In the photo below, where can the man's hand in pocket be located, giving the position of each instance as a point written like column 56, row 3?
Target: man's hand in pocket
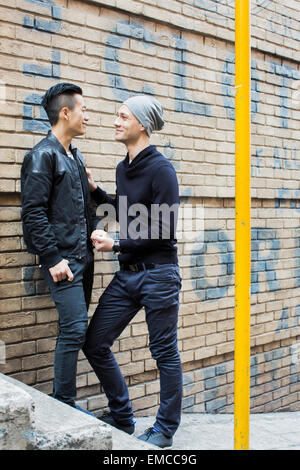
column 60, row 271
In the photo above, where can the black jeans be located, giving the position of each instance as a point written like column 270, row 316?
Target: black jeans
column 157, row 290
column 72, row 301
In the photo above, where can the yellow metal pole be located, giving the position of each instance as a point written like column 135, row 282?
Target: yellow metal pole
column 242, row 225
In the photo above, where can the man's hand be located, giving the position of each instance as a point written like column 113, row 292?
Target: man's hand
column 60, row 271
column 99, row 233
column 92, row 183
column 102, row 241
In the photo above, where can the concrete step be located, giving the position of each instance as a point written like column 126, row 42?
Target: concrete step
column 30, row 419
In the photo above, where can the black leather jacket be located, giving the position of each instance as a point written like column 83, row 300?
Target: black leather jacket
column 56, row 205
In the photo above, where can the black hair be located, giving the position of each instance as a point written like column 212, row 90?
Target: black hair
column 57, row 97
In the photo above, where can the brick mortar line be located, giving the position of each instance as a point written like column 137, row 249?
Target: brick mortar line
column 189, row 365
column 229, row 356
column 194, row 198
column 146, row 17
column 143, row 16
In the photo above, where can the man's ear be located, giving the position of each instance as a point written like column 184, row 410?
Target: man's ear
column 64, row 113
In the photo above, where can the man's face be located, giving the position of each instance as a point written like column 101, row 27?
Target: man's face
column 78, row 117
column 127, row 128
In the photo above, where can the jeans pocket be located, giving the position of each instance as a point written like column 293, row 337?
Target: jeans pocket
column 163, row 273
column 161, row 293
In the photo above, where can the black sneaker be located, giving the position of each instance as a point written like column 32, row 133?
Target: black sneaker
column 156, row 437
column 108, row 419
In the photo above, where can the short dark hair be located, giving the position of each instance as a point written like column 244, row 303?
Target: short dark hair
column 57, row 97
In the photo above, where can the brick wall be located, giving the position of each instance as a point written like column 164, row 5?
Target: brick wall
column 183, row 53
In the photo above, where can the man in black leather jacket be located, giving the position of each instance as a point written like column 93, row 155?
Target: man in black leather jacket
column 58, row 220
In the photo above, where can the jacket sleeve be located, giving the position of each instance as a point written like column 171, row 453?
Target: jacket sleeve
column 163, row 219
column 36, row 187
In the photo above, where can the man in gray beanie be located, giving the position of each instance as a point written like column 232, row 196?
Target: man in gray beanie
column 148, row 111
column 149, row 274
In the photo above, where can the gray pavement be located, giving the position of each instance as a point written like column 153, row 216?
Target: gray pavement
column 268, row 431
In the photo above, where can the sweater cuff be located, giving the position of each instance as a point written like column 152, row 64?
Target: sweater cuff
column 97, row 195
column 125, row 245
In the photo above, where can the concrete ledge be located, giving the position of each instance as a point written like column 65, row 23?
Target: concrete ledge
column 16, row 417
column 30, row 419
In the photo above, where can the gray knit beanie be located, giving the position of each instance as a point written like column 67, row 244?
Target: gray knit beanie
column 148, row 112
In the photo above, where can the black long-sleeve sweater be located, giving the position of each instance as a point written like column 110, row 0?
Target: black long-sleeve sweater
column 150, row 180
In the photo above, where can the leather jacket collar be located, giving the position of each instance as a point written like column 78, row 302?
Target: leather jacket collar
column 54, row 140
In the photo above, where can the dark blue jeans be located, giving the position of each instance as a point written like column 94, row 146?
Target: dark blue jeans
column 157, row 290
column 71, row 300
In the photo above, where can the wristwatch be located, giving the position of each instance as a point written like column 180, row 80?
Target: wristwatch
column 116, row 246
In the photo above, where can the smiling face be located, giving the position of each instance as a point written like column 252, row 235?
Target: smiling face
column 127, row 128
column 76, row 118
